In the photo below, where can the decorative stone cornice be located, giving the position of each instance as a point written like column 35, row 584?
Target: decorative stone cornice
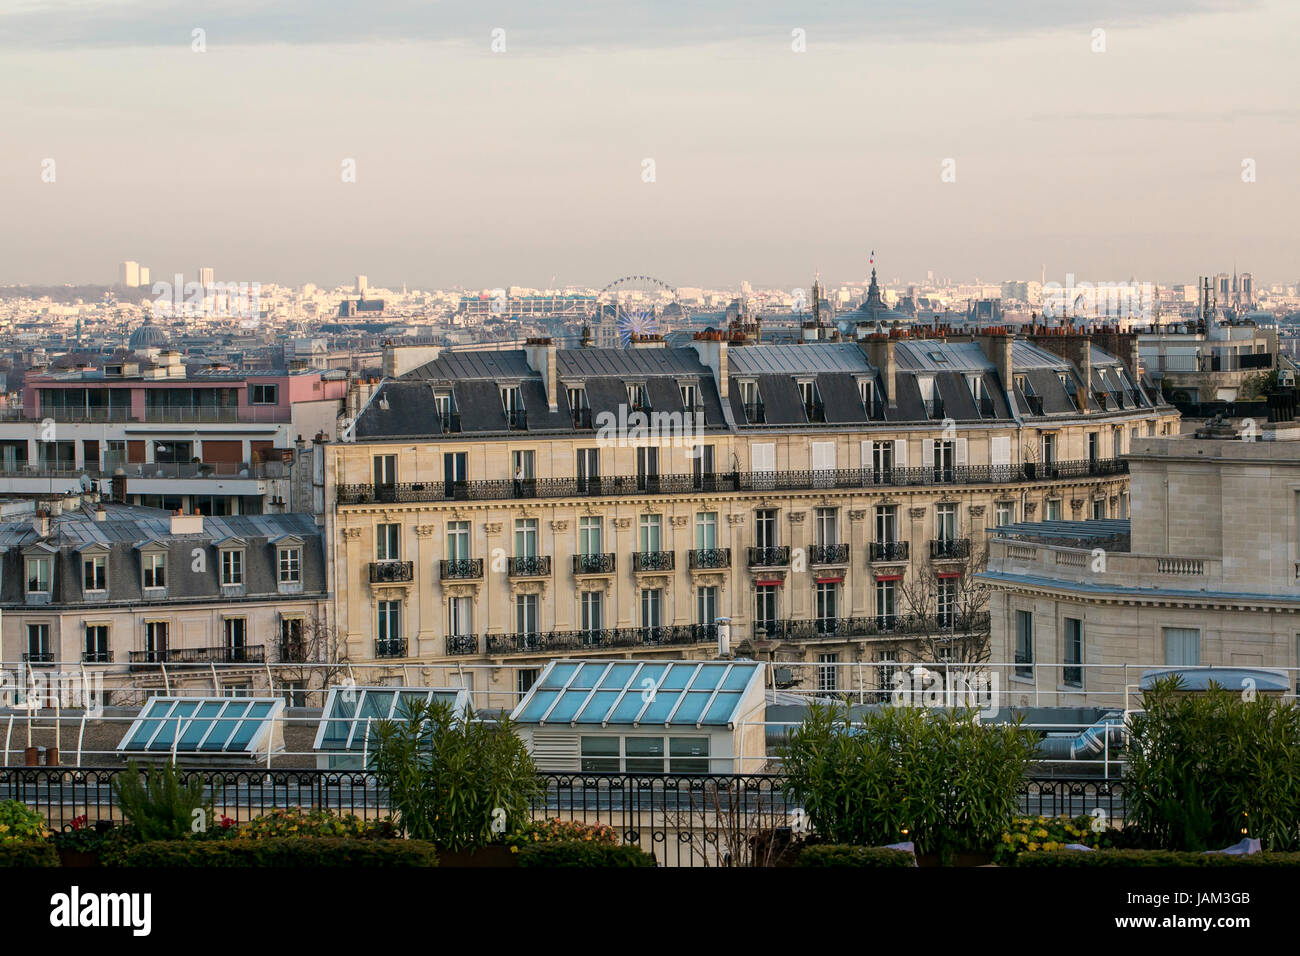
column 528, row 587
column 461, row 590
column 678, row 521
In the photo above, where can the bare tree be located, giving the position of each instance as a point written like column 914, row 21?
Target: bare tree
column 311, row 656
column 948, row 611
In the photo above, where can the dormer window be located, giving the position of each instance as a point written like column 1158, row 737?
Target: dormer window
column 94, row 573
column 232, row 567
column 39, row 573
column 512, row 402
column 637, row 397
column 812, row 405
column 866, row 392
column 155, row 571
column 937, row 357
column 690, row 396
column 290, row 564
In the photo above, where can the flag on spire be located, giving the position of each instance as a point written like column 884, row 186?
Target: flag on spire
column 873, row 257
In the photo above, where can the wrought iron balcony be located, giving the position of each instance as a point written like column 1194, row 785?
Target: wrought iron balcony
column 461, row 644
column 293, row 652
column 536, row 566
column 97, row 657
column 594, row 563
column 703, row 559
column 550, row 642
column 870, row 626
column 390, row 647
column 828, row 554
column 387, row 572
column 769, row 557
column 460, row 569
column 652, row 560
column 39, row 657
column 506, row 489
column 223, row 654
column 888, row 550
column 945, row 548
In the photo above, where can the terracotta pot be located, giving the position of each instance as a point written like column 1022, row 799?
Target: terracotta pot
column 479, row 856
column 51, row 756
column 32, row 757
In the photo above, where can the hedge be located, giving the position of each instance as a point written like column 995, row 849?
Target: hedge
column 282, row 851
column 836, row 854
column 571, row 853
column 1149, row 858
column 28, row 853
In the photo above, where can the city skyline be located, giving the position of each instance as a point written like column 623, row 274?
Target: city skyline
column 473, row 167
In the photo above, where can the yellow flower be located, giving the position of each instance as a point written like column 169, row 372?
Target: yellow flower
column 1032, row 846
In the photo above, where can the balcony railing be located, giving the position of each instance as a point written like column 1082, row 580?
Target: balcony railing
column 506, row 489
column 888, row 550
column 224, row 654
column 941, row 548
column 459, row 645
column 293, row 652
column 594, row 563
column 39, row 657
column 96, row 657
column 769, row 557
column 828, row 554
column 563, row 641
column 460, row 569
column 390, row 647
column 529, row 567
column 703, row 559
column 652, row 560
column 388, row 572
column 870, row 626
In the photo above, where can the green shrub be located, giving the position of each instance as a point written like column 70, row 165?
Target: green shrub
column 581, row 853
column 1130, row 858
column 283, row 852
column 1045, row 834
column 557, row 830
column 20, row 823
column 935, row 777
column 294, row 821
column 159, row 806
column 28, row 853
column 1205, row 769
column 459, row 783
column 834, row 854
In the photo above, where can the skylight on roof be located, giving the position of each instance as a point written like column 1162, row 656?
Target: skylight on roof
column 204, row 725
column 938, row 357
column 348, row 721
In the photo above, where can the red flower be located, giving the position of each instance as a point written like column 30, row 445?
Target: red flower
column 79, row 823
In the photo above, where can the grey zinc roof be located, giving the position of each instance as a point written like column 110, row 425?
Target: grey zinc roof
column 808, row 359
column 485, row 363
column 582, row 363
column 1026, row 355
column 959, row 356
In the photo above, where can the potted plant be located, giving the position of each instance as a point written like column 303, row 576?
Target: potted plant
column 79, row 842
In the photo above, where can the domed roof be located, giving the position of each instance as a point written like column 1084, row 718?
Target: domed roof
column 148, row 336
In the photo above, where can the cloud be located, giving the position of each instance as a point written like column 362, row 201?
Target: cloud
column 560, row 25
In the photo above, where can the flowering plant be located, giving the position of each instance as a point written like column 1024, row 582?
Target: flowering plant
column 294, row 821
column 556, row 830
column 19, row 822
column 1035, row 834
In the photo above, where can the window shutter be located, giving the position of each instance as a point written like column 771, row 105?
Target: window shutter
column 927, row 452
column 762, row 457
column 867, row 460
column 900, row 453
column 823, row 456
column 961, row 452
column 1000, row 451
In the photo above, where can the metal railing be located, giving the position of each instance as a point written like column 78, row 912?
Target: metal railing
column 460, row 569
column 685, row 819
column 536, row 566
column 533, row 642
column 221, row 654
column 769, row 557
column 383, row 572
column 702, row 559
column 944, row 548
column 828, row 554
column 652, row 561
column 390, row 647
column 506, row 489
column 874, row 625
column 604, row 563
column 888, row 551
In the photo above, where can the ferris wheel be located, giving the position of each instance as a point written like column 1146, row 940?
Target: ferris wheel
column 634, row 305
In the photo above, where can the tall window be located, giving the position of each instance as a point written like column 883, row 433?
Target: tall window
column 455, row 469
column 525, row 538
column 389, row 630
column 155, row 640
column 527, row 621
column 460, row 621
column 385, row 471
column 588, row 466
column 647, row 467
column 887, row 602
column 945, row 521
column 97, row 651
column 947, row 601
column 886, row 669
column 232, row 567
column 765, row 607
column 1052, row 509
column 765, row 535
column 649, row 533
column 94, row 572
column 590, row 534
column 1117, row 442
column 706, row 531
column 525, row 678
column 457, row 540
column 38, row 575
column 1005, row 513
column 592, row 605
column 521, row 465
column 38, row 643
column 386, row 542
column 1094, row 447
column 155, row 570
column 1072, row 674
column 827, row 529
column 651, row 607
column 882, row 460
column 1182, row 646
column 827, row 606
column 828, row 678
column 1024, row 644
column 1098, row 509
column 1049, row 449
column 690, row 397
column 886, row 524
column 945, row 457
column 236, row 634
column 702, row 467
column 706, row 605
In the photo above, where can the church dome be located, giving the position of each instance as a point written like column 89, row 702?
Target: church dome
column 148, row 336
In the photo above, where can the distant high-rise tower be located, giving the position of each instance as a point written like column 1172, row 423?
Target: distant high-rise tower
column 363, row 283
column 206, row 278
column 128, row 274
column 144, row 275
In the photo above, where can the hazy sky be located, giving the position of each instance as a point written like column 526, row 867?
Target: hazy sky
column 487, row 169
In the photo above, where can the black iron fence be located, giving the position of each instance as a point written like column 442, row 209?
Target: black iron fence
column 684, row 819
column 613, row 486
